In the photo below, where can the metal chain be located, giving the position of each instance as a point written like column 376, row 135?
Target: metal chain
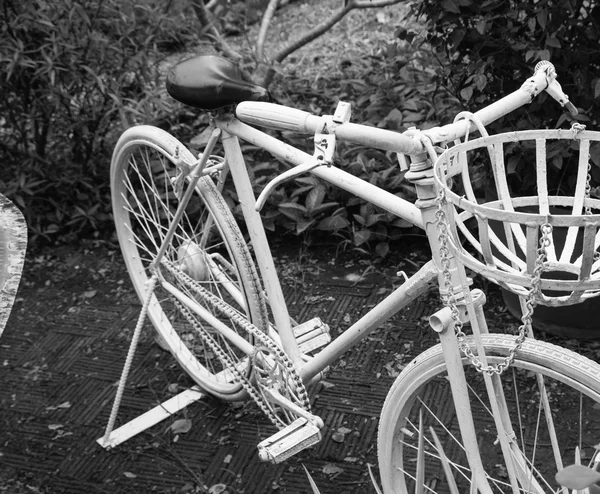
column 576, row 128
column 451, row 302
column 263, row 339
column 588, row 189
column 228, row 363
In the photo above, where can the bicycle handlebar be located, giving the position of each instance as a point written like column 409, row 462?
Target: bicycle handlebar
column 280, row 117
column 284, row 118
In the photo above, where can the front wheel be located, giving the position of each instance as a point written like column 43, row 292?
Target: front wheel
column 421, row 392
column 207, row 280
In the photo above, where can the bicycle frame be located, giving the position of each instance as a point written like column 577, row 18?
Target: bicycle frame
column 423, row 214
column 401, row 297
column 415, row 286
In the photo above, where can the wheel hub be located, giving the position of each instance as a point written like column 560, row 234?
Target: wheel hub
column 192, row 261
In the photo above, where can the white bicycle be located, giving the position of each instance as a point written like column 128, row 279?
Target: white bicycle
column 481, row 412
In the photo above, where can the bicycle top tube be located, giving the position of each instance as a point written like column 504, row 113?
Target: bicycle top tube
column 284, row 118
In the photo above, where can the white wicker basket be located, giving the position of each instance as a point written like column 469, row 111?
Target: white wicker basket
column 499, row 239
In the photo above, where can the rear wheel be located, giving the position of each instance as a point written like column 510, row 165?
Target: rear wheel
column 570, row 381
column 207, row 261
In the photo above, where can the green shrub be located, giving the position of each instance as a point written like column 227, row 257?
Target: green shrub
column 489, row 48
column 73, row 74
column 388, row 88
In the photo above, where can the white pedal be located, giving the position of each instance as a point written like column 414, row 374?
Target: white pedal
column 311, row 335
column 297, row 436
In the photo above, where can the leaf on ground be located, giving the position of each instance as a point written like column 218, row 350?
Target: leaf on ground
column 332, row 469
column 217, row 489
column 130, row 475
column 90, row 293
column 181, row 426
column 66, row 404
column 337, row 437
column 354, row 278
column 54, row 427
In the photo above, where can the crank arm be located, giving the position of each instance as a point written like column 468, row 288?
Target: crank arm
column 276, row 397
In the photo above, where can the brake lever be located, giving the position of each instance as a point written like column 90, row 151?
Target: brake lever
column 554, row 88
column 297, row 170
column 323, row 155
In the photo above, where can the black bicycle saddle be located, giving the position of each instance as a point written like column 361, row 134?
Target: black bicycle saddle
column 210, row 82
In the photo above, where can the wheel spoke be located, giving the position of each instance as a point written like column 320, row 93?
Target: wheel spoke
column 544, row 380
column 205, row 246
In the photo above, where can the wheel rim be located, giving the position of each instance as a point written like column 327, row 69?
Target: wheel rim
column 200, row 249
column 431, row 396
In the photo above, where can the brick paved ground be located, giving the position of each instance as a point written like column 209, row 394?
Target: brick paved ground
column 62, row 354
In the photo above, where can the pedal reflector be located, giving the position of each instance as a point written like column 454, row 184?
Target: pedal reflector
column 299, row 435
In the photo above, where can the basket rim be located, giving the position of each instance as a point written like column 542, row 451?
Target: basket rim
column 487, row 209
column 521, row 135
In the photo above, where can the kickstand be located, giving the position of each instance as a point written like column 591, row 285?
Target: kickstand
column 126, row 368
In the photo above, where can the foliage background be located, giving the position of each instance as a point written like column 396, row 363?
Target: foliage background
column 490, row 47
column 75, row 73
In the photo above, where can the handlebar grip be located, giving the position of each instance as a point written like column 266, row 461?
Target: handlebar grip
column 276, row 117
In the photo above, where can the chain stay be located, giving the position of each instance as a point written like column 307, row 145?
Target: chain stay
column 263, row 339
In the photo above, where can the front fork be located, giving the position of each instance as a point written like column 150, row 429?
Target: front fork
column 471, row 310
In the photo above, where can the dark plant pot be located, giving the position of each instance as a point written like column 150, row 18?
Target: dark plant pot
column 579, row 321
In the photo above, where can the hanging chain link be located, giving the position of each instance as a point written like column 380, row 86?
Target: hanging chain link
column 264, row 340
column 588, row 189
column 576, row 128
column 451, row 302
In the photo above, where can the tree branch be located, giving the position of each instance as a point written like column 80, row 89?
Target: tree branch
column 368, row 4
column 323, row 28
column 264, row 26
column 305, row 39
column 209, row 27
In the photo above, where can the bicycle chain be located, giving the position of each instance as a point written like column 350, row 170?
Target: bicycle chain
column 230, row 364
column 450, row 299
column 264, row 340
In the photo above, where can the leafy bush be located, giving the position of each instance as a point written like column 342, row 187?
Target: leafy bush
column 489, row 48
column 71, row 71
column 390, row 88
